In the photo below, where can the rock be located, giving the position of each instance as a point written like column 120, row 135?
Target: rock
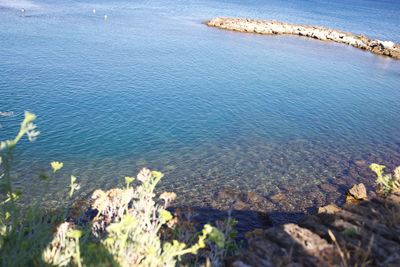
column 311, row 242
column 368, row 232
column 227, row 194
column 387, row 44
column 259, row 203
column 396, row 173
column 372, row 194
column 356, row 193
column 328, row 188
column 240, row 205
column 394, row 197
column 254, row 197
column 360, row 162
column 307, row 247
column 329, row 209
column 288, row 188
column 359, row 192
column 278, row 198
column 332, row 197
column 387, row 48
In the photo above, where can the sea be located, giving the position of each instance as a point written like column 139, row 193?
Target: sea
column 122, row 85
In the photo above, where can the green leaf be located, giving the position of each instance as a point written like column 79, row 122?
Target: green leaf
column 76, row 234
column 157, row 175
column 217, row 237
column 129, row 180
column 165, row 216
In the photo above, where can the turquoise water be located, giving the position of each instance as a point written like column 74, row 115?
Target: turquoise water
column 153, row 86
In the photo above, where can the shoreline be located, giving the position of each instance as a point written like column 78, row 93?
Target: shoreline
column 363, row 230
column 271, row 27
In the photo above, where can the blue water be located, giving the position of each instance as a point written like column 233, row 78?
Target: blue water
column 153, row 86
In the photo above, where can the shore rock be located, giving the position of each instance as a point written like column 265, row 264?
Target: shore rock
column 335, row 236
column 328, row 209
column 269, row 27
column 356, row 193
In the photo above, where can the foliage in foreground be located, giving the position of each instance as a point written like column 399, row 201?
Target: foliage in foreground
column 386, row 181
column 131, row 225
column 126, row 230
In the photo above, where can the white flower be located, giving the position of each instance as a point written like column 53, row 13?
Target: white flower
column 144, row 175
column 168, row 197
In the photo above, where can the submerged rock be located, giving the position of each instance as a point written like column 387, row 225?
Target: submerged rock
column 267, row 27
column 240, row 205
column 228, row 198
column 328, row 188
column 254, row 198
column 278, row 198
column 360, row 162
column 228, row 194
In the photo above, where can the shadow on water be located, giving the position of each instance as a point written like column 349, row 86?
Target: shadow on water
column 247, row 220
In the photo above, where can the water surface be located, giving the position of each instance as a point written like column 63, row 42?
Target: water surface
column 153, row 86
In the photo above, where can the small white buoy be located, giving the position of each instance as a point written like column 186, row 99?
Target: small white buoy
column 94, row 11
column 23, row 11
column 105, row 17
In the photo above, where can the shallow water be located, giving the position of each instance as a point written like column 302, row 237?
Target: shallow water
column 152, row 86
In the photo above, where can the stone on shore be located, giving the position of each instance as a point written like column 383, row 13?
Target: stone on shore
column 356, row 193
column 335, row 236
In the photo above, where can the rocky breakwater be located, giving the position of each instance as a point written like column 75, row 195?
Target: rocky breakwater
column 269, row 27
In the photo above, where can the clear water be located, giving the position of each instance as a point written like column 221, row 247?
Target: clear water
column 153, row 86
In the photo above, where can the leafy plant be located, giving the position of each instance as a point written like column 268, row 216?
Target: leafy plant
column 387, row 182
column 126, row 230
column 23, row 234
column 222, row 241
column 134, row 236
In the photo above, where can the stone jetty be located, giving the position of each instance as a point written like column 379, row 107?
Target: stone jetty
column 270, row 27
